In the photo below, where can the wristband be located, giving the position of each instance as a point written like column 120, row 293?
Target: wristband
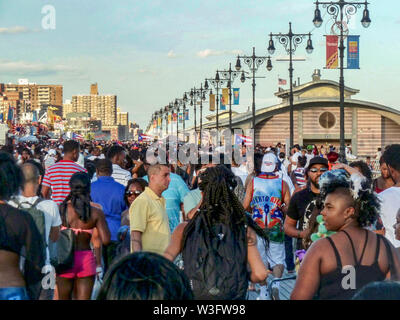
column 298, row 233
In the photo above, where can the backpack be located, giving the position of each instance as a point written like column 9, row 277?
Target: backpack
column 37, row 215
column 215, row 260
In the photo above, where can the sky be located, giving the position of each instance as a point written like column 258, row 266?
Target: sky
column 150, row 52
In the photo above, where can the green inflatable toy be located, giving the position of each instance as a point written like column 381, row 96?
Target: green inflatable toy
column 322, row 232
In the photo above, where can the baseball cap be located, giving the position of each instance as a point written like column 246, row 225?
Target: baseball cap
column 318, row 160
column 269, row 162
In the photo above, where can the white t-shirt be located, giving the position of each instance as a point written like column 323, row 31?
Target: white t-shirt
column 390, row 205
column 309, row 157
column 51, row 215
column 240, row 172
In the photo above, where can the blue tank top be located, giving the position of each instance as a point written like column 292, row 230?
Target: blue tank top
column 265, row 205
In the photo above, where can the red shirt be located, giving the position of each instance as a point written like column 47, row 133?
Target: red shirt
column 57, row 178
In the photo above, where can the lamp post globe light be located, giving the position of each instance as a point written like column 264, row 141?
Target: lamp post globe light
column 338, row 10
column 253, row 62
column 290, row 41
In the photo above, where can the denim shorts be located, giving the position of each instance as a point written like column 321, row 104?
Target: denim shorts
column 15, row 293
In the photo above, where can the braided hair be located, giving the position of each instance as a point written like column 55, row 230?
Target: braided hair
column 145, row 276
column 10, row 176
column 79, row 196
column 220, row 204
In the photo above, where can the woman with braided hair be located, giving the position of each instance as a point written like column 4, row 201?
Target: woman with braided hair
column 144, row 276
column 89, row 225
column 219, row 242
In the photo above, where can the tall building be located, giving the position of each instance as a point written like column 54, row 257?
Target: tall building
column 122, row 117
column 100, row 107
column 67, row 108
column 94, row 90
column 35, row 95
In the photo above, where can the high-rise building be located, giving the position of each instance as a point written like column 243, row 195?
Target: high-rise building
column 100, row 107
column 94, row 90
column 67, row 108
column 122, row 117
column 35, row 95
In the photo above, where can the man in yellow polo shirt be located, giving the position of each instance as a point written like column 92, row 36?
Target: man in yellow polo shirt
column 148, row 216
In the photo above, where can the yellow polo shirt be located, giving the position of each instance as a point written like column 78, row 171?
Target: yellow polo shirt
column 148, row 215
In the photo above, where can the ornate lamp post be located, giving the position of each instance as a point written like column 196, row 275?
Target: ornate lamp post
column 253, row 62
column 338, row 10
column 201, row 95
column 290, row 41
column 166, row 113
column 180, row 103
column 217, row 83
column 230, row 77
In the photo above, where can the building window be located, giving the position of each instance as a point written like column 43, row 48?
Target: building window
column 327, row 120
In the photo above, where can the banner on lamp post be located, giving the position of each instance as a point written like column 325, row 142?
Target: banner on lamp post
column 332, row 52
column 212, row 102
column 235, row 96
column 353, row 52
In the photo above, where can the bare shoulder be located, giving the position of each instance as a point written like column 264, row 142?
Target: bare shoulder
column 319, row 248
column 251, row 237
column 180, row 228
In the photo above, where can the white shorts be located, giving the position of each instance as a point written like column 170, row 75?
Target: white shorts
column 276, row 254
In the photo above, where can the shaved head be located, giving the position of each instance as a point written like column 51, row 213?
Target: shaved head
column 30, row 173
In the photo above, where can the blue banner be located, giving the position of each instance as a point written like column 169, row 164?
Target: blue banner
column 222, row 106
column 186, row 114
column 236, row 96
column 353, row 52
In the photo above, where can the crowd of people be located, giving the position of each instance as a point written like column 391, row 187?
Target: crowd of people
column 103, row 220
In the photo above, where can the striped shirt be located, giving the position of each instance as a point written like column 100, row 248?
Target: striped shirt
column 120, row 175
column 57, row 178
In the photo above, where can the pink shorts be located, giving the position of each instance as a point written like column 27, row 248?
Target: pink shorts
column 84, row 265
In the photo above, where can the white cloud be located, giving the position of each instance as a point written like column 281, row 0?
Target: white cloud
column 32, row 68
column 171, row 54
column 209, row 52
column 15, row 30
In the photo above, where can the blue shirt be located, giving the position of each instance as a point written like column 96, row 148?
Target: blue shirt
column 110, row 195
column 174, row 196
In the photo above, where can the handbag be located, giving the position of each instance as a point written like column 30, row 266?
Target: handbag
column 62, row 252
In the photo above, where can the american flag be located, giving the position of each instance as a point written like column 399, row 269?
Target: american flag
column 281, row 82
column 239, row 139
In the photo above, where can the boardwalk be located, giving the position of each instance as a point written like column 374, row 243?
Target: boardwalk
column 286, row 287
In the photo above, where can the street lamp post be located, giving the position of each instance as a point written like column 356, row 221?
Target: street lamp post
column 217, row 83
column 230, row 77
column 166, row 111
column 336, row 9
column 253, row 62
column 178, row 104
column 201, row 94
column 292, row 40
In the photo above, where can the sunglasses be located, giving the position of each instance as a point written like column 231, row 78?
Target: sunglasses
column 314, row 170
column 130, row 193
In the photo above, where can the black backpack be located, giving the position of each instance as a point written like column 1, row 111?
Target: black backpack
column 215, row 260
column 37, row 215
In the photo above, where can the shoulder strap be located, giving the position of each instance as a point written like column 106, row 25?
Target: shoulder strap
column 352, row 246
column 393, row 271
column 38, row 200
column 378, row 246
column 365, row 245
column 338, row 260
